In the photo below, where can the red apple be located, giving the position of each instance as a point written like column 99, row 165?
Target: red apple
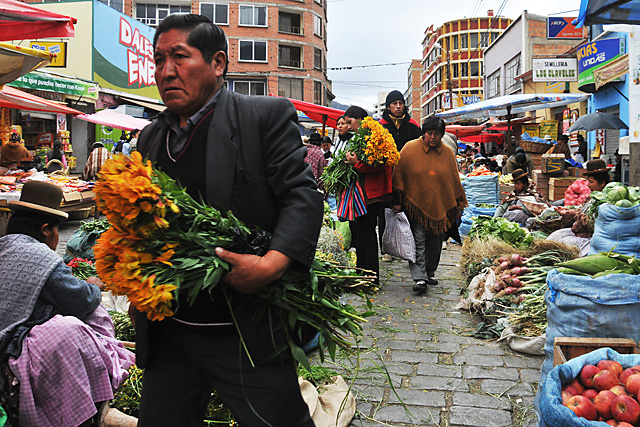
column 624, row 424
column 633, row 384
column 618, row 390
column 583, row 407
column 590, row 394
column 603, row 401
column 604, row 380
column 568, row 392
column 612, row 422
column 578, row 386
column 610, row 365
column 624, row 408
column 586, row 375
column 627, row 373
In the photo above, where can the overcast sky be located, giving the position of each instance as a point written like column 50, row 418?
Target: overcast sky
column 375, row 32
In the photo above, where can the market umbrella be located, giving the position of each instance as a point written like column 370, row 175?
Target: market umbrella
column 16, row 61
column 607, row 12
column 595, row 121
column 115, row 120
column 21, row 21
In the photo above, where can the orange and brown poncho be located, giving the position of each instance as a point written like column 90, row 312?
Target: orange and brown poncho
column 429, row 185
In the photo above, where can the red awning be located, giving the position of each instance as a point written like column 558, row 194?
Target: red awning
column 460, row 131
column 11, row 97
column 318, row 113
column 19, row 21
column 484, row 137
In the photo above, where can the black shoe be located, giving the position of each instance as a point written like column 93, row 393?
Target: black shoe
column 432, row 281
column 420, row 286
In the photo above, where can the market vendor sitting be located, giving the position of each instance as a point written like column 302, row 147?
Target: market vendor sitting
column 58, row 354
column 520, row 160
column 513, row 206
column 580, row 233
column 13, row 152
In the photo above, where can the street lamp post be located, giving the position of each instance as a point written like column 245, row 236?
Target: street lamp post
column 449, row 86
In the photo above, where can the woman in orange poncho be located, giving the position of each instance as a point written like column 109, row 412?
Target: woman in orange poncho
column 13, row 151
column 427, row 188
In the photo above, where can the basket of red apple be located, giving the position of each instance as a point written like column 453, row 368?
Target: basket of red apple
column 600, row 386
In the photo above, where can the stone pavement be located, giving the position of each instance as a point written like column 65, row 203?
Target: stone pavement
column 443, row 377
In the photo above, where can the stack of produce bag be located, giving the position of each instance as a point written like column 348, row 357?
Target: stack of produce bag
column 577, row 193
column 482, row 189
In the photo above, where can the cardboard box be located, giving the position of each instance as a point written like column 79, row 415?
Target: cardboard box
column 558, row 186
column 553, row 164
column 566, row 348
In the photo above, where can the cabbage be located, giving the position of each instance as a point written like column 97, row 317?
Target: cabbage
column 624, row 203
column 610, row 186
column 634, row 194
column 616, row 194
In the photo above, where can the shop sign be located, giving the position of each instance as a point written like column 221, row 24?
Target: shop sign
column 555, row 70
column 41, row 81
column 594, row 55
column 123, row 53
column 59, row 48
column 549, row 127
column 566, row 120
column 44, row 138
column 532, row 130
column 634, row 85
column 562, row 28
column 470, row 99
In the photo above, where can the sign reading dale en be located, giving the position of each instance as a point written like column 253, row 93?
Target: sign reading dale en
column 140, row 65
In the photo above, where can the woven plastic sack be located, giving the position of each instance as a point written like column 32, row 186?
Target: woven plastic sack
column 553, row 412
column 617, row 229
column 586, row 307
column 482, row 189
column 397, row 239
column 80, row 245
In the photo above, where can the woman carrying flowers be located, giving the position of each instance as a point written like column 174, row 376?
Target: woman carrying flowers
column 375, row 182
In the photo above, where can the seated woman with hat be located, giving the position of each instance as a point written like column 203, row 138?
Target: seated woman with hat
column 57, row 347
column 513, row 206
column 580, row 233
column 13, row 152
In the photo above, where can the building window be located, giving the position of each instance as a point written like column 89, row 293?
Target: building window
column 255, row 16
column 317, row 25
column 291, row 88
column 319, row 2
column 512, row 69
column 317, row 93
column 493, row 85
column 474, row 69
column 473, row 40
column 464, row 69
column 217, row 13
column 152, row 14
column 249, row 88
column 463, row 41
column 253, row 51
column 290, row 23
column 455, row 42
column 455, row 72
column 115, row 4
column 290, row 56
column 317, row 58
column 485, row 39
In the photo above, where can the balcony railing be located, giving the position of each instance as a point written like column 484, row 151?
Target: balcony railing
column 290, row 63
column 291, row 30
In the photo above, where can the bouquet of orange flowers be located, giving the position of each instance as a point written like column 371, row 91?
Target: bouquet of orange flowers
column 162, row 242
column 374, row 146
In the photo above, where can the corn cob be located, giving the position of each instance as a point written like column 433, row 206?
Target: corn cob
column 593, row 264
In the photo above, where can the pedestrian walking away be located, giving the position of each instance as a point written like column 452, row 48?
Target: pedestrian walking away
column 243, row 154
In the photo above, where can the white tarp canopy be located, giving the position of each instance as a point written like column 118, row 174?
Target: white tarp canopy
column 511, row 104
column 115, row 120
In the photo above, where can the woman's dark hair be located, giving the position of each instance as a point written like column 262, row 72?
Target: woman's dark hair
column 56, row 151
column 133, row 134
column 30, row 223
column 433, row 123
column 356, row 112
column 523, row 179
column 204, row 35
column 602, row 177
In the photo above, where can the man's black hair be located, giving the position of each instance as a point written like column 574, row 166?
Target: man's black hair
column 520, row 158
column 30, row 223
column 204, row 35
column 433, row 123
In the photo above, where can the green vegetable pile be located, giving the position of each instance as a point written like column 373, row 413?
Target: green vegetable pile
column 95, row 225
column 486, row 205
column 601, row 264
column 501, row 228
column 123, row 326
column 616, row 194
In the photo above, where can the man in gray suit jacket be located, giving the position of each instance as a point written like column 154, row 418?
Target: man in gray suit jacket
column 242, row 154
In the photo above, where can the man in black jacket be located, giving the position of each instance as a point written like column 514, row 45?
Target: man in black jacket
column 242, row 154
column 403, row 128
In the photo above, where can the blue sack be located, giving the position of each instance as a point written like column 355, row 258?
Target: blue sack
column 553, row 412
column 617, row 229
column 587, row 307
column 482, row 189
column 469, row 214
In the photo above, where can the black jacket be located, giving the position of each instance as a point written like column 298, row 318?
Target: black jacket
column 408, row 131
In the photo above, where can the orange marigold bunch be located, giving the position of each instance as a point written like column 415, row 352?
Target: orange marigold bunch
column 379, row 148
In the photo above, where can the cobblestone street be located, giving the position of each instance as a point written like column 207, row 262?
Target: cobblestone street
column 443, row 377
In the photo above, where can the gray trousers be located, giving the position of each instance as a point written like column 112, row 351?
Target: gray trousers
column 428, row 249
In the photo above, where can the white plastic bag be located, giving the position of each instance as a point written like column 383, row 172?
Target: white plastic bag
column 397, row 239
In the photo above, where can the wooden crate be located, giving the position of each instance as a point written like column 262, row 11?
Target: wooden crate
column 558, row 186
column 552, row 164
column 537, row 159
column 542, row 182
column 566, row 348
